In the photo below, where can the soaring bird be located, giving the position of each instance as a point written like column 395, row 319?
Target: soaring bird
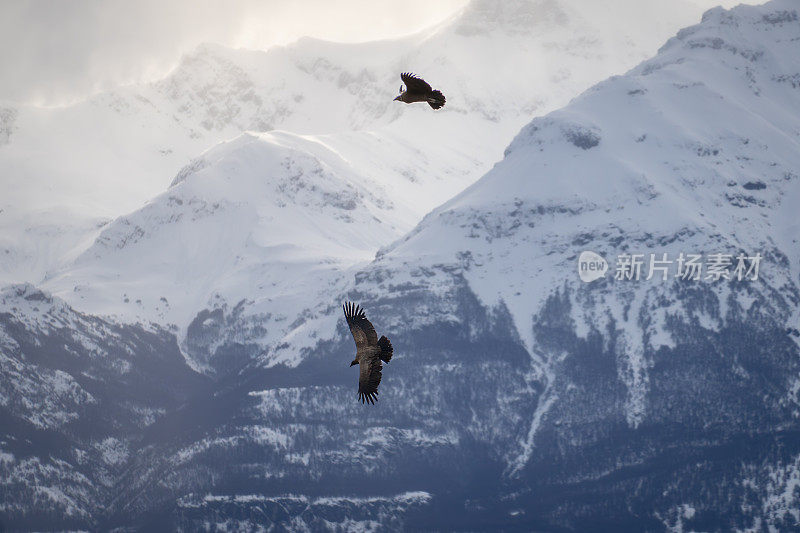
column 418, row 90
column 370, row 351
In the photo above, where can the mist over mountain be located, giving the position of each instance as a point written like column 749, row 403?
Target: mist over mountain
column 185, row 366
column 89, row 163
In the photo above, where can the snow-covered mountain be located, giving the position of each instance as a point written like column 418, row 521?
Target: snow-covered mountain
column 693, row 151
column 408, row 159
column 704, row 159
column 520, row 397
column 108, row 155
column 616, row 404
column 267, row 219
column 75, row 392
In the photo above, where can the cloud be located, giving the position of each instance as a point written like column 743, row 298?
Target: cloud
column 53, row 51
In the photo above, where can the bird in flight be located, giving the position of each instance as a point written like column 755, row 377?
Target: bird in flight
column 370, row 351
column 418, row 90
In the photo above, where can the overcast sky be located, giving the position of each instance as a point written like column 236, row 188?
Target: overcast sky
column 56, row 51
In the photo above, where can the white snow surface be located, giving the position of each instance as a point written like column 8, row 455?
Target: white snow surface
column 65, row 171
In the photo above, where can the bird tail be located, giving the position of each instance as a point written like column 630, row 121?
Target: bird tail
column 436, row 100
column 386, row 349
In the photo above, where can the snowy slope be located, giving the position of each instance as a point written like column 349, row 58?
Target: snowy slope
column 75, row 393
column 265, row 215
column 106, row 156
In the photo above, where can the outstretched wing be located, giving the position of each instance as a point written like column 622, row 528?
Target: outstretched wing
column 361, row 328
column 369, row 378
column 415, row 84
